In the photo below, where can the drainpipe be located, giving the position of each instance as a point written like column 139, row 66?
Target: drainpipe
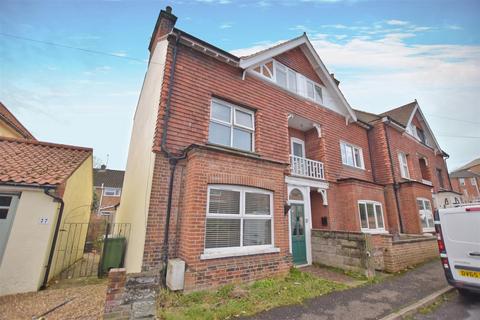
column 396, row 186
column 173, row 159
column 55, row 236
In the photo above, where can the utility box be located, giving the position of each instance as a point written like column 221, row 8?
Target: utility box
column 175, row 274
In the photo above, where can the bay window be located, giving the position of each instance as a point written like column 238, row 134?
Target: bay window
column 371, row 216
column 231, row 126
column 238, row 219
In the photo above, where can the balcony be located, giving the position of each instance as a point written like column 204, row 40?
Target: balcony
column 307, row 168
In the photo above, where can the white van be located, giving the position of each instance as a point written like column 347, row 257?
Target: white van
column 458, row 235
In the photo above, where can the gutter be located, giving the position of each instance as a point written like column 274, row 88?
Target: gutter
column 55, row 236
column 173, row 159
column 396, row 186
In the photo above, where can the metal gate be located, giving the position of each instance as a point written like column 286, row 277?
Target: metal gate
column 82, row 248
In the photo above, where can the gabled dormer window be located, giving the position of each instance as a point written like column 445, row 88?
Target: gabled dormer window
column 290, row 80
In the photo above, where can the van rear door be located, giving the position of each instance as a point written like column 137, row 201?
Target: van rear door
column 461, row 234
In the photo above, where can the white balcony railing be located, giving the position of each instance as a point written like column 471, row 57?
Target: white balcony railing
column 306, row 167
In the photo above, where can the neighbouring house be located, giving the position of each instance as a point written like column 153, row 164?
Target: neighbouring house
column 239, row 165
column 466, row 182
column 408, row 161
column 473, row 166
column 107, row 184
column 42, row 186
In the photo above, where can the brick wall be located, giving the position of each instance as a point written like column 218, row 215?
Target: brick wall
column 345, row 195
column 198, row 78
column 469, row 191
column 401, row 254
column 408, row 194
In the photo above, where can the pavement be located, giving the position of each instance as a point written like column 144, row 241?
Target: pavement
column 456, row 307
column 366, row 302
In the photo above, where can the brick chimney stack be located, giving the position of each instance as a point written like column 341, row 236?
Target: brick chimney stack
column 165, row 23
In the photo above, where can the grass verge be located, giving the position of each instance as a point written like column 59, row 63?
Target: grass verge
column 233, row 301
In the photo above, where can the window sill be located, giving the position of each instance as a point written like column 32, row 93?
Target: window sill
column 237, row 253
column 353, row 167
column 373, row 231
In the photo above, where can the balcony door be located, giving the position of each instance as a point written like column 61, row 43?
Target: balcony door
column 298, row 147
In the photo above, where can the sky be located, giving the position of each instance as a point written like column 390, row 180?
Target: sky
column 71, row 71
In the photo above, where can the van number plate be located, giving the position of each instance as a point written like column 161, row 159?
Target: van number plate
column 469, row 274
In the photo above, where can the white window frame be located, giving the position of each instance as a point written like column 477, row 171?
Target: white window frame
column 403, row 162
column 298, row 141
column 473, row 181
column 233, row 122
column 428, row 213
column 214, row 253
column 356, row 165
column 116, row 192
column 376, row 229
column 300, row 81
column 461, row 181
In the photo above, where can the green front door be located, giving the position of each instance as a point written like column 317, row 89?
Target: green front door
column 299, row 249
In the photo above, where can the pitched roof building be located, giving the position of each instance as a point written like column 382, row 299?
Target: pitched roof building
column 254, row 156
column 43, row 186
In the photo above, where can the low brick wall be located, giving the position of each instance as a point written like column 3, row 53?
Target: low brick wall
column 131, row 296
column 345, row 250
column 401, row 254
column 366, row 253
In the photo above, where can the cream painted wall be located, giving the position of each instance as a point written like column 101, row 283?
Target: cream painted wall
column 78, row 198
column 26, row 254
column 138, row 175
column 23, row 265
column 7, row 131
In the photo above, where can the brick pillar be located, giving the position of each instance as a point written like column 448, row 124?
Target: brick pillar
column 114, row 308
column 131, row 296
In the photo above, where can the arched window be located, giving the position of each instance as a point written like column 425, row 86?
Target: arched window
column 296, row 194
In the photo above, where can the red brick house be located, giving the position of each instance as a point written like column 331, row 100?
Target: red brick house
column 234, row 160
column 467, row 183
column 408, row 161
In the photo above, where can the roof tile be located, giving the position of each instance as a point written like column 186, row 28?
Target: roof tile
column 38, row 163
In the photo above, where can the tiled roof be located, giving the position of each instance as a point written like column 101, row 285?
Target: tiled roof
column 366, row 117
column 463, row 174
column 13, row 122
column 109, row 178
column 472, row 163
column 401, row 114
column 32, row 162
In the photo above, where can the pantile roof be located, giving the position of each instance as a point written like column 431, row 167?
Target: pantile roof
column 13, row 122
column 32, row 162
column 472, row 163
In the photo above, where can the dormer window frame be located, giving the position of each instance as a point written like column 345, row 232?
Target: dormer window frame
column 300, row 84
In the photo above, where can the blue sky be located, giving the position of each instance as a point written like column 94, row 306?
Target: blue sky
column 385, row 53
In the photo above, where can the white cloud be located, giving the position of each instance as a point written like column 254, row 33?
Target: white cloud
column 454, row 27
column 120, row 54
column 302, row 28
column 225, row 25
column 395, row 22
